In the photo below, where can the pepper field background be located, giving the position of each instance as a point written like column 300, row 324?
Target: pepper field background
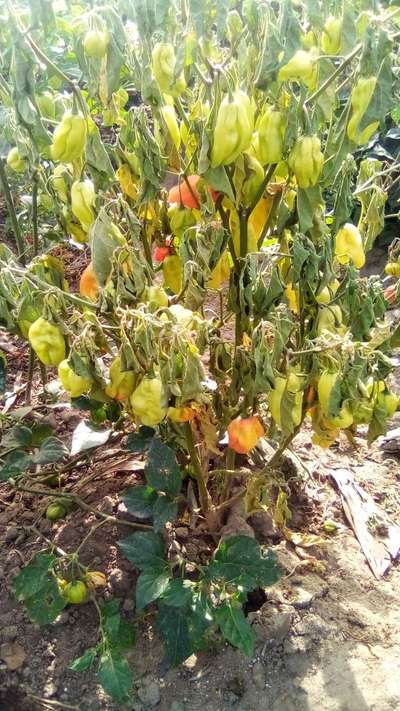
column 212, row 164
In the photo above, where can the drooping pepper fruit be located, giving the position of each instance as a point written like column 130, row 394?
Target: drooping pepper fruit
column 47, row 341
column 180, row 219
column 330, row 318
column 306, row 161
column 46, row 105
column 275, row 398
column 332, row 35
column 349, row 246
column 253, row 180
column 326, row 382
column 169, row 116
column 88, row 284
column 15, row 160
column 361, row 96
column 163, row 64
column 59, row 183
column 77, row 232
column 95, row 43
column 389, row 401
column 181, row 414
column 122, row 383
column 325, row 295
column 83, row 198
column 146, row 400
column 271, row 131
column 244, row 433
column 301, row 67
column 75, row 385
column 233, row 129
column 343, row 420
column 393, row 269
column 69, row 138
column 186, row 196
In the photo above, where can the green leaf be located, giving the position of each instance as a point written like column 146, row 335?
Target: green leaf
column 378, row 425
column 164, row 510
column 238, row 560
column 139, row 442
column 119, row 633
column 115, row 676
column 144, row 549
column 85, row 661
column 151, row 583
column 96, row 154
column 161, row 469
column 15, row 463
column 40, row 432
column 308, row 200
column 218, row 179
column 140, row 500
column 17, row 436
column 172, row 625
column 34, row 576
column 235, row 627
column 178, row 593
column 47, row 604
column 52, row 450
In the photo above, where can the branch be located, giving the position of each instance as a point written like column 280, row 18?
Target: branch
column 13, row 215
column 334, row 74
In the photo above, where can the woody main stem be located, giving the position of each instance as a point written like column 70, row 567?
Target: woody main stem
column 198, row 471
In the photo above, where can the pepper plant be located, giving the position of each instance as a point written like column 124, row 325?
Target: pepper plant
column 204, row 154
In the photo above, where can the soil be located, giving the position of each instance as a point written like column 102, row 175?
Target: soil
column 328, row 634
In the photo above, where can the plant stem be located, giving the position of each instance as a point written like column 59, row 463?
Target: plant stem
column 243, row 217
column 230, row 465
column 181, row 113
column 198, row 471
column 37, row 282
column 261, row 189
column 334, row 74
column 225, row 222
column 31, row 366
column 13, row 215
column 82, row 505
column 64, row 77
column 280, row 451
column 35, row 231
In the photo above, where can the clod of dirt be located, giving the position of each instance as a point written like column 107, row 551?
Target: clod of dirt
column 13, row 655
column 120, row 581
column 236, row 526
column 258, row 675
column 263, row 525
column 305, row 591
column 273, row 625
column 149, row 692
column 9, row 633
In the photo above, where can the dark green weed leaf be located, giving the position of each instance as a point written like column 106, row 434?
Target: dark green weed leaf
column 234, row 626
column 85, row 661
column 140, row 500
column 144, row 549
column 115, row 676
column 150, row 584
column 161, row 470
column 51, row 450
